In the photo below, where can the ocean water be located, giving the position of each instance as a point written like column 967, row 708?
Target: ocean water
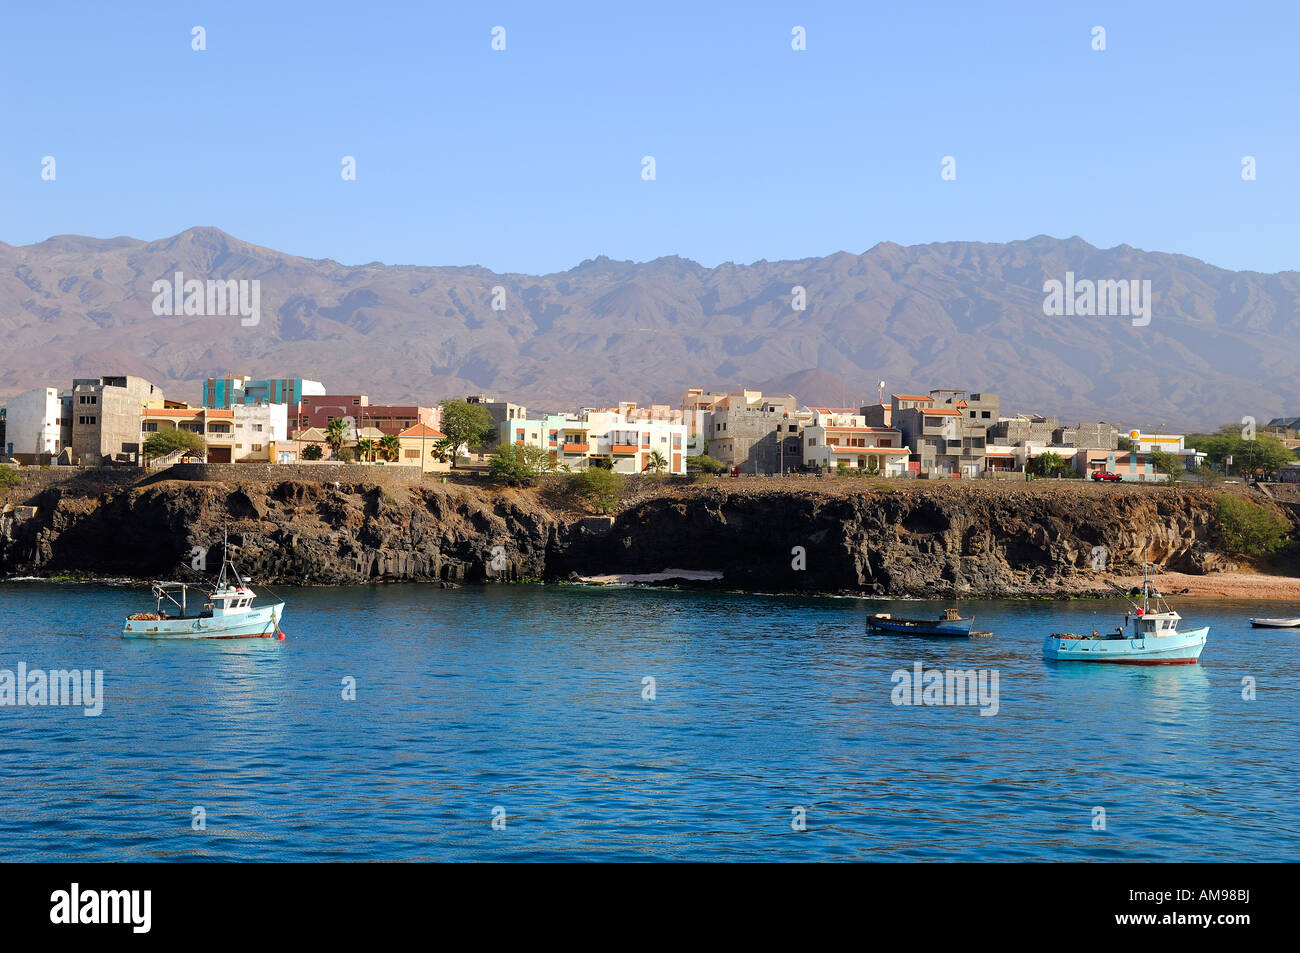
column 525, row 703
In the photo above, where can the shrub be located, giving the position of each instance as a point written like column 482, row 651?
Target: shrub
column 9, row 478
column 705, row 464
column 597, row 487
column 312, row 452
column 1247, row 528
column 511, row 466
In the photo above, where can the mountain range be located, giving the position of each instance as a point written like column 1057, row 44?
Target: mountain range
column 1220, row 344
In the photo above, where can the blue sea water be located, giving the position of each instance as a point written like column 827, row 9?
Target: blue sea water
column 527, row 701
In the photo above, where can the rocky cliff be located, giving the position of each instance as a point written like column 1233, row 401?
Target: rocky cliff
column 916, row 539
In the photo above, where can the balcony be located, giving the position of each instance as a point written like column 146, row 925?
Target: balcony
column 576, row 448
column 624, row 449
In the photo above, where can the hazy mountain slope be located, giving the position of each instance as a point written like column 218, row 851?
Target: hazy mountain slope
column 1220, row 344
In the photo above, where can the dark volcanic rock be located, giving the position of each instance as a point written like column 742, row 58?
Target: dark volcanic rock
column 921, row 540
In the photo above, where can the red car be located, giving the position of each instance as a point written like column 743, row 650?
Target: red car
column 1106, row 475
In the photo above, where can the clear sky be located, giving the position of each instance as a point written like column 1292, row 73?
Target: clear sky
column 530, row 159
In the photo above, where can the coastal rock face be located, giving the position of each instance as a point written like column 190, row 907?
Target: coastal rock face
column 981, row 541
column 917, row 540
column 293, row 532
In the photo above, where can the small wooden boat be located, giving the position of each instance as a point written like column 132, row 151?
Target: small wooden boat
column 948, row 624
column 1153, row 638
column 228, row 612
column 1275, row 623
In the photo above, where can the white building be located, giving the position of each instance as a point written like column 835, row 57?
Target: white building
column 32, row 424
column 838, row 437
column 258, row 428
column 576, row 440
column 1169, row 443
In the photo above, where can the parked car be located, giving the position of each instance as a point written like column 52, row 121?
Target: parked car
column 1106, row 475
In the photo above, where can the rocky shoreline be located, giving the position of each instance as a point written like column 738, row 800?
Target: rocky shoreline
column 869, row 539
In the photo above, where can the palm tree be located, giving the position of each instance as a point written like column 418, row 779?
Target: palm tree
column 390, row 448
column 656, row 462
column 444, row 449
column 366, row 449
column 336, row 434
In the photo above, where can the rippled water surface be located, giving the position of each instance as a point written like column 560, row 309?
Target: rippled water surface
column 529, row 699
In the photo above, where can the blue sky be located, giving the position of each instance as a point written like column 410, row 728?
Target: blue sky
column 530, row 159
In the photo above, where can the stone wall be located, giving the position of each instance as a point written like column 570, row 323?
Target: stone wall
column 308, row 472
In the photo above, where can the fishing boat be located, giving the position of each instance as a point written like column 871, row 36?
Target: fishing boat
column 1149, row 636
column 1275, row 623
column 948, row 624
column 226, row 610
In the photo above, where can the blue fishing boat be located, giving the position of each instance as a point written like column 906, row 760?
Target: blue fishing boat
column 948, row 624
column 227, row 612
column 1149, row 636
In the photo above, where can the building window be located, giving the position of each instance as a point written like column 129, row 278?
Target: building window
column 149, row 427
column 356, row 401
column 257, row 427
column 257, row 446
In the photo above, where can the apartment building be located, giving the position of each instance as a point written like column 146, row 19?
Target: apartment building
column 35, row 426
column 946, row 431
column 501, row 411
column 244, row 433
column 1169, row 443
column 106, row 417
column 767, row 438
column 840, row 437
column 356, row 409
column 602, row 437
column 225, row 392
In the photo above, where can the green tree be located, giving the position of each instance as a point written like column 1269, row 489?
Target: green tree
column 366, row 449
column 466, row 425
column 312, row 452
column 1261, row 457
column 1246, row 528
column 389, row 447
column 541, row 461
column 1049, row 464
column 597, row 487
column 1170, row 464
column 336, row 435
column 164, row 442
column 656, row 462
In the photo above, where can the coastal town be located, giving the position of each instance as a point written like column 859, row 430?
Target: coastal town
column 943, row 433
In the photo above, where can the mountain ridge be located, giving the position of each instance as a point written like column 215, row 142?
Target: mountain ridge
column 1221, row 344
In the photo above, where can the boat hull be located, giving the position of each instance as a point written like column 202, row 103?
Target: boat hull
column 954, row 628
column 260, row 622
column 1275, row 623
column 1183, row 648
